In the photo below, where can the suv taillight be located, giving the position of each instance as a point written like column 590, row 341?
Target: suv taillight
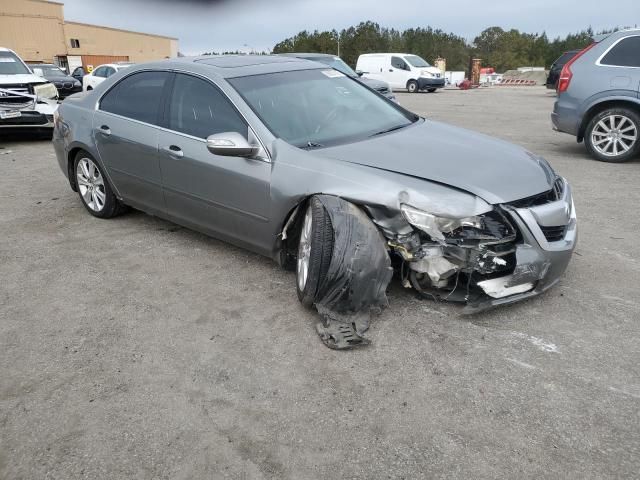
column 566, row 74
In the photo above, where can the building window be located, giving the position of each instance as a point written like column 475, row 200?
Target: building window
column 75, row 43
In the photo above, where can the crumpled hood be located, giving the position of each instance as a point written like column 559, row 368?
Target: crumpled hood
column 21, row 78
column 494, row 170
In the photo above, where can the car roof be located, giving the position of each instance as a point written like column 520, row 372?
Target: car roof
column 231, row 66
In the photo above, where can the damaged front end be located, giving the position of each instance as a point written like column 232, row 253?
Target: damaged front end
column 27, row 105
column 511, row 252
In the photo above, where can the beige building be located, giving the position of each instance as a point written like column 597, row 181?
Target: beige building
column 37, row 31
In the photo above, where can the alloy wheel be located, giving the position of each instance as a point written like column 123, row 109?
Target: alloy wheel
column 91, row 184
column 614, row 135
column 304, row 250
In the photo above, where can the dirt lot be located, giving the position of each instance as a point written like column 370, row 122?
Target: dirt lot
column 133, row 348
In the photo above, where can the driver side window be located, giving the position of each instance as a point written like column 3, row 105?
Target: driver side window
column 199, row 109
column 397, row 62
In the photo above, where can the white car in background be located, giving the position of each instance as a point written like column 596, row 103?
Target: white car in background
column 101, row 73
column 27, row 101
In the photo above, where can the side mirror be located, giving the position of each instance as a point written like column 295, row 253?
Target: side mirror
column 360, row 73
column 231, row 144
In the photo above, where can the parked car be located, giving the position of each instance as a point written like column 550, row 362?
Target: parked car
column 556, row 68
column 65, row 84
column 101, row 73
column 305, row 165
column 78, row 73
column 337, row 63
column 401, row 70
column 27, row 101
column 598, row 97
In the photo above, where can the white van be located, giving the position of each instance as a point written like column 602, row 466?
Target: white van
column 401, row 70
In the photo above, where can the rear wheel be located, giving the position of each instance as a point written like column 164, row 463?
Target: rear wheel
column 612, row 135
column 431, row 90
column 314, row 252
column 94, row 189
column 412, row 86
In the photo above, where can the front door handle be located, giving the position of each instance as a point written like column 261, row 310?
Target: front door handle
column 391, row 69
column 174, row 151
column 105, row 130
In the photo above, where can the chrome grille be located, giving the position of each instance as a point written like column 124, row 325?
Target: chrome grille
column 15, row 97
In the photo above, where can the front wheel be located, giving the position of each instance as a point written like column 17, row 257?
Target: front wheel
column 314, row 252
column 412, row 86
column 612, row 135
column 431, row 90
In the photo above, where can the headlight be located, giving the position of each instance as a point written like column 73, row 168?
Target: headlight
column 76, row 83
column 436, row 226
column 46, row 91
column 427, row 74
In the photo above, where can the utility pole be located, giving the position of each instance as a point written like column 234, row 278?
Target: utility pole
column 338, row 44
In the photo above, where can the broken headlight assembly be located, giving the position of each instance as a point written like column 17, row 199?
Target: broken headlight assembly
column 45, row 91
column 474, row 247
column 436, row 227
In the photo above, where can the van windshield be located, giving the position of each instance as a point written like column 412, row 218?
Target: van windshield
column 10, row 64
column 416, row 61
column 318, row 108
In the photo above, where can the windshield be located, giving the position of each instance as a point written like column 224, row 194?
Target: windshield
column 10, row 64
column 49, row 71
column 337, row 63
column 316, row 108
column 416, row 61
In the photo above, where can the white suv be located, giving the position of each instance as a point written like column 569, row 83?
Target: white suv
column 26, row 100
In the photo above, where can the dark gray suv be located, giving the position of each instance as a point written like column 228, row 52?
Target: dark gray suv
column 599, row 98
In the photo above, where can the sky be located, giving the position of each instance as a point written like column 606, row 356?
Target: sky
column 245, row 25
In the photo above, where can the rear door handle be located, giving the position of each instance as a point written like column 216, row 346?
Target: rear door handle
column 174, row 151
column 105, row 130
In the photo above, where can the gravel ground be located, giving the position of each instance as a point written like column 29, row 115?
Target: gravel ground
column 136, row 349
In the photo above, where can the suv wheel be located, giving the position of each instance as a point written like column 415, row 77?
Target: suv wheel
column 612, row 135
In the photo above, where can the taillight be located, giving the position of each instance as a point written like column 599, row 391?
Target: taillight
column 566, row 74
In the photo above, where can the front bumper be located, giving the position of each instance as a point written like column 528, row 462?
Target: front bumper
column 424, row 83
column 39, row 115
column 540, row 262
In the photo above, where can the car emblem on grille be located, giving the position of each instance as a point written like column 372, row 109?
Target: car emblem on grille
column 3, row 94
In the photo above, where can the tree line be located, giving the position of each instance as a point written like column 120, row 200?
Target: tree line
column 498, row 48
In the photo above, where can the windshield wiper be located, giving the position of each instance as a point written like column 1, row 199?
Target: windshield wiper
column 397, row 127
column 312, row 144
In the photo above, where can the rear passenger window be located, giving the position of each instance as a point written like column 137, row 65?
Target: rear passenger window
column 626, row 53
column 199, row 109
column 138, row 96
